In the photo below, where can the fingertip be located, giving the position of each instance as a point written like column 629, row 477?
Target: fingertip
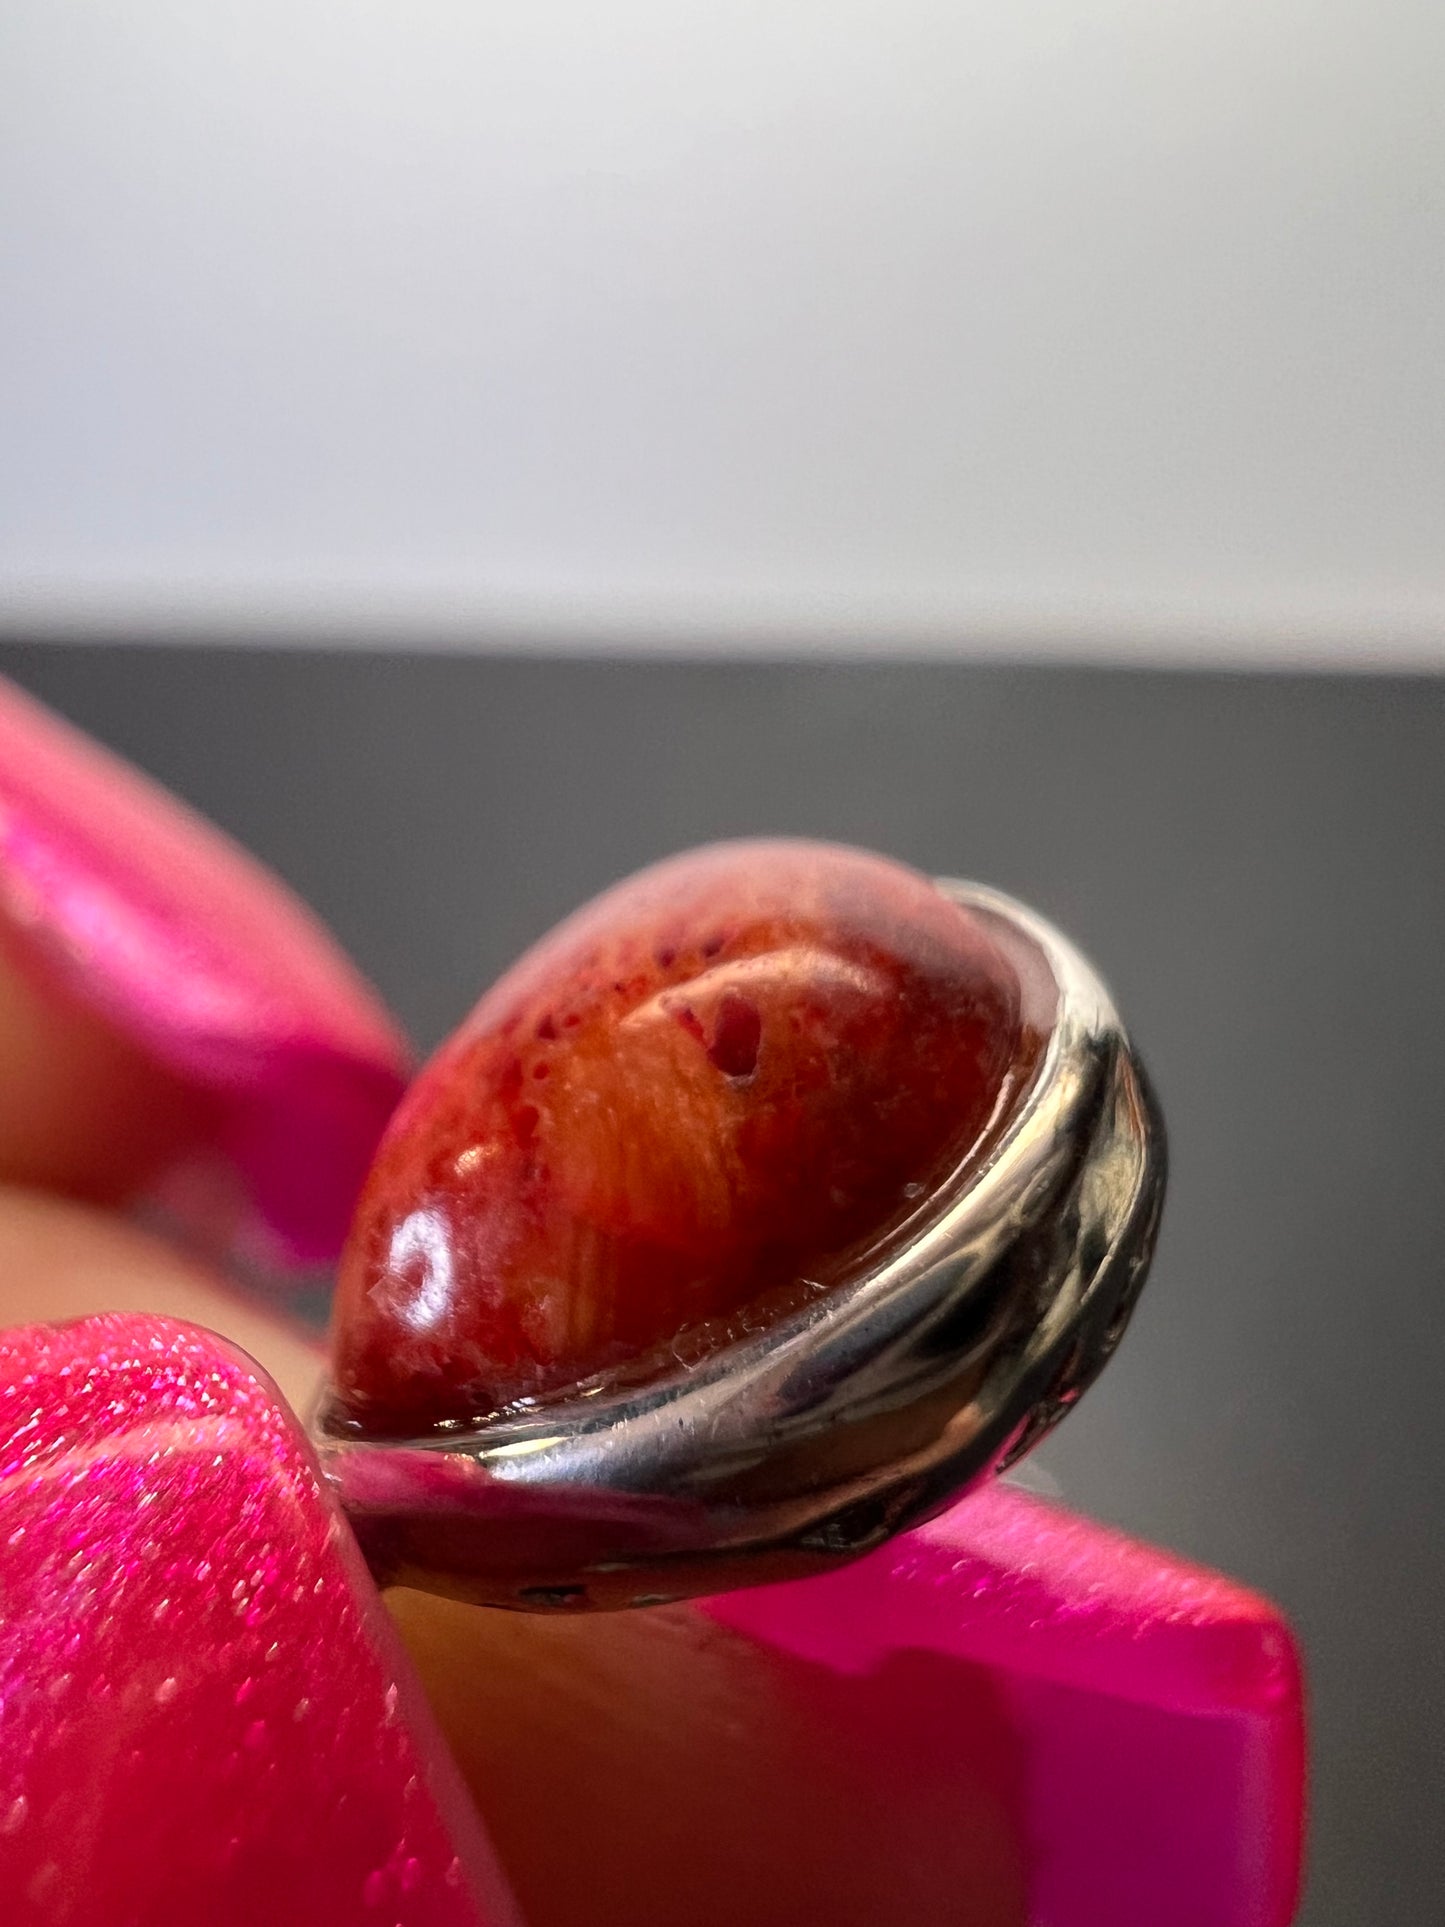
column 84, row 1110
column 189, row 1007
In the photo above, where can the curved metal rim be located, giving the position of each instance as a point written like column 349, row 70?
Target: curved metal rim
column 842, row 1423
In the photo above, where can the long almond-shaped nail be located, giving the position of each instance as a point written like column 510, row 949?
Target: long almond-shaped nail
column 206, row 1716
column 159, row 925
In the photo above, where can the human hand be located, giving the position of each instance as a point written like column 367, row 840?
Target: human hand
column 1008, row 1716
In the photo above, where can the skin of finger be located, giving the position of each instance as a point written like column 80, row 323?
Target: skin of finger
column 653, row 1767
column 61, row 1260
column 643, row 1767
column 82, row 1110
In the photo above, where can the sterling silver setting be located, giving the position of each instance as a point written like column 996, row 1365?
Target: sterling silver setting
column 944, row 1359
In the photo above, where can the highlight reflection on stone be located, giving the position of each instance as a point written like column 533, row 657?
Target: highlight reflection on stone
column 702, row 1096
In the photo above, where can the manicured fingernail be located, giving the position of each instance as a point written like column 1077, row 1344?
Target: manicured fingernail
column 194, row 953
column 1148, row 1715
column 206, row 1716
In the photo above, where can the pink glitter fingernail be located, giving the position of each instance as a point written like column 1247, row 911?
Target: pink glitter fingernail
column 204, row 1714
column 191, row 949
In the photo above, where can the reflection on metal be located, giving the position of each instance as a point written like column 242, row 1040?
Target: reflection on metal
column 943, row 1359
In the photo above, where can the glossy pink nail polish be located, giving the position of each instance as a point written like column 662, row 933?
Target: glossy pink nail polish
column 206, row 1717
column 192, row 950
column 1145, row 1717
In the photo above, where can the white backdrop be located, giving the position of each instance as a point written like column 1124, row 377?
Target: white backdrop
column 1032, row 324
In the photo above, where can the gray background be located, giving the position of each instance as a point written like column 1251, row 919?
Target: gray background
column 1255, row 862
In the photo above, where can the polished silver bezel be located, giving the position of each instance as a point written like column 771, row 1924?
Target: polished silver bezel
column 847, row 1421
